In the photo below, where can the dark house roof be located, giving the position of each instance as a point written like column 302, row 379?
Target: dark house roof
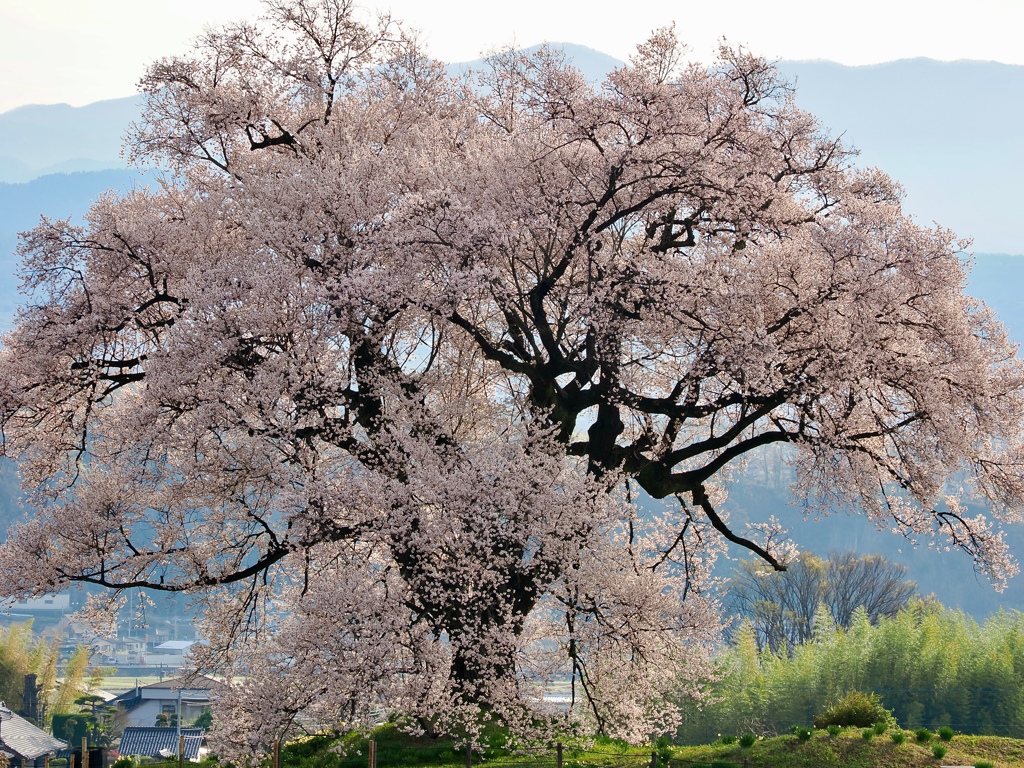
column 18, row 735
column 129, row 699
column 195, row 683
column 133, row 696
column 151, row 741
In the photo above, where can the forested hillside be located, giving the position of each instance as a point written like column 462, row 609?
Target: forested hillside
column 931, row 667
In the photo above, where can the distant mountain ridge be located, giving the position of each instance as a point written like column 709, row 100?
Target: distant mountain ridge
column 57, row 196
column 37, row 140
column 948, row 131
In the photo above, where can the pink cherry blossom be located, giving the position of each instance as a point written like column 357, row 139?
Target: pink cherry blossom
column 380, row 370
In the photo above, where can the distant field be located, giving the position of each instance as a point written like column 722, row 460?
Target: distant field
column 122, row 683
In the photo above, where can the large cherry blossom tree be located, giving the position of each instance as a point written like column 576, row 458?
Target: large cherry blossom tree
column 382, row 367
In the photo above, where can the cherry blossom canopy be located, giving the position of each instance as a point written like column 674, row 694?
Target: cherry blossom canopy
column 383, row 366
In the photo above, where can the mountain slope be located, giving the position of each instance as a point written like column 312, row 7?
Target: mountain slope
column 948, row 131
column 54, row 196
column 51, row 138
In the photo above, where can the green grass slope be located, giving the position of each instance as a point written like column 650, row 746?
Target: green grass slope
column 849, row 750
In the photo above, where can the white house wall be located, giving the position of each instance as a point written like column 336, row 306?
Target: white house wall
column 145, row 714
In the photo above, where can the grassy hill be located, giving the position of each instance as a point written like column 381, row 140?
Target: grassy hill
column 848, row 749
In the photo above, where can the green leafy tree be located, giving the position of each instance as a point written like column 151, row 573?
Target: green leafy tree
column 23, row 653
column 100, row 718
column 785, row 608
column 205, row 719
column 929, row 666
column 74, row 683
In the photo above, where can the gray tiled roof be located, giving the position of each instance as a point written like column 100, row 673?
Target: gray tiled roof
column 194, row 683
column 148, row 741
column 19, row 735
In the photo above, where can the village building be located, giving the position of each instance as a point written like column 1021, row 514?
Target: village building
column 25, row 745
column 143, row 704
column 162, row 743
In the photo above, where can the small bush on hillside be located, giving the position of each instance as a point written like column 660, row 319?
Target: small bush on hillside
column 664, row 749
column 861, row 710
column 946, row 733
column 881, row 728
column 984, row 764
column 834, row 730
column 867, row 734
column 727, row 740
column 608, row 742
column 804, row 734
column 897, row 736
column 747, row 740
column 923, row 735
column 939, row 750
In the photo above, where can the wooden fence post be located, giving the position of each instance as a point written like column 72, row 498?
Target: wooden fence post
column 277, row 752
column 371, row 754
column 181, row 752
column 85, row 752
column 558, row 750
column 71, row 760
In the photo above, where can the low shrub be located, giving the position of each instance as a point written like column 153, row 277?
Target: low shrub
column 834, row 730
column 858, row 709
column 946, row 733
column 939, row 750
column 664, row 749
column 619, row 745
column 984, row 764
column 897, row 736
column 747, row 740
column 923, row 735
column 803, row 733
column 124, row 761
column 727, row 740
column 867, row 734
column 881, row 728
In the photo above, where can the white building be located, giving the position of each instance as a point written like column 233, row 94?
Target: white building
column 172, row 654
column 60, row 603
column 144, row 703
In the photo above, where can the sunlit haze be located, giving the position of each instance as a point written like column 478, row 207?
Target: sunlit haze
column 80, row 51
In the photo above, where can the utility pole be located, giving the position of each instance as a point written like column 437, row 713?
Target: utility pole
column 181, row 741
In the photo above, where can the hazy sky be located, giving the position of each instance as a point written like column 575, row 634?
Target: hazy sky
column 79, row 51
